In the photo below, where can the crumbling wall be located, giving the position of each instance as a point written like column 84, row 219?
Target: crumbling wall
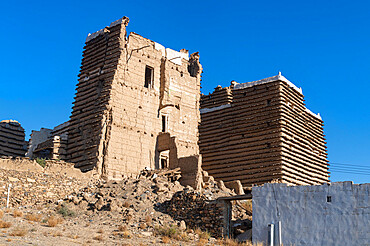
column 12, row 138
column 120, row 128
column 91, row 115
column 36, row 138
column 49, row 143
column 247, row 129
column 329, row 214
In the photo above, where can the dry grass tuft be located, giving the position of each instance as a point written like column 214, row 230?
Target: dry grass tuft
column 122, row 228
column 202, row 234
column 126, row 234
column 1, row 213
column 143, row 226
column 33, row 217
column 166, row 239
column 184, row 237
column 73, row 236
column 98, row 237
column 54, row 221
column 148, row 220
column 233, row 242
column 18, row 231
column 4, row 224
column 8, row 240
column 57, row 234
column 202, row 242
column 126, row 204
column 168, row 231
column 17, row 213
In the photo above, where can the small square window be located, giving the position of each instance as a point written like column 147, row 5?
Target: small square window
column 164, row 123
column 328, row 199
column 149, row 74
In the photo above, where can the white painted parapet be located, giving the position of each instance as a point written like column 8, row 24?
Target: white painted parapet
column 330, row 214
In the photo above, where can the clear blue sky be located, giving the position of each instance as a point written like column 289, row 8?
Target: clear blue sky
column 321, row 46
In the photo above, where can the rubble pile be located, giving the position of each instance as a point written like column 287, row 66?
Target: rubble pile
column 152, row 199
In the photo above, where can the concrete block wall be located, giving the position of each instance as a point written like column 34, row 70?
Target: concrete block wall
column 330, row 214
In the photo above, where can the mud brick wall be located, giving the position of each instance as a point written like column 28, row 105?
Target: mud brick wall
column 265, row 133
column 116, row 120
column 90, row 113
column 12, row 138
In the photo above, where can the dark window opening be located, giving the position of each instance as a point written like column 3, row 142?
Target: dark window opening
column 268, row 102
column 149, row 74
column 163, row 163
column 164, row 121
column 328, row 199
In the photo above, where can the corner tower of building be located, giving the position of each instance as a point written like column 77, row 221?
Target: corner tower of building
column 261, row 132
column 136, row 105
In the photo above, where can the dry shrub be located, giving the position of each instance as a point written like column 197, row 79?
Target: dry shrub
column 17, row 213
column 1, row 213
column 233, row 242
column 166, row 239
column 18, row 231
column 4, row 224
column 57, row 234
column 168, row 231
column 126, row 204
column 148, row 219
column 202, row 242
column 122, row 228
column 101, row 231
column 143, row 226
column 54, row 221
column 126, row 234
column 184, row 237
column 202, row 234
column 73, row 236
column 98, row 237
column 33, row 217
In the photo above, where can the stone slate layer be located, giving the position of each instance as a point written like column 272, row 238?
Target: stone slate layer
column 100, row 57
column 12, row 139
column 266, row 135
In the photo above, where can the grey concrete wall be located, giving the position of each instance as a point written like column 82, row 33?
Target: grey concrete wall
column 308, row 216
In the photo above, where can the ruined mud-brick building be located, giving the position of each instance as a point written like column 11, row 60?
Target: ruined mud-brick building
column 49, row 143
column 12, row 139
column 260, row 132
column 136, row 105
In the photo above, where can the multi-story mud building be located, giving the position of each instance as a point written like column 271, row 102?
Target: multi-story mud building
column 136, row 105
column 261, row 131
column 12, row 139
